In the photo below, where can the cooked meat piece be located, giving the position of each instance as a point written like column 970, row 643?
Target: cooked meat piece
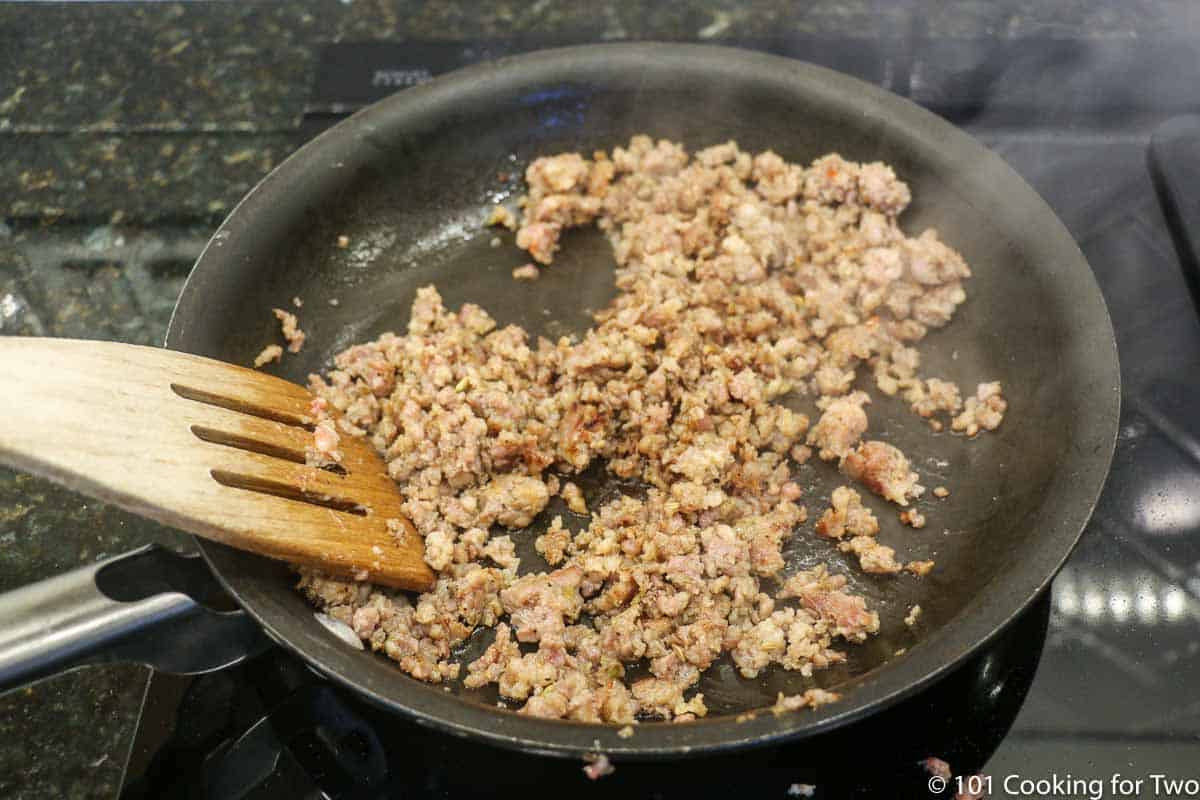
column 822, row 593
column 840, row 427
column 665, row 698
column 290, row 328
column 884, row 470
column 271, row 352
column 513, row 500
column 574, row 497
column 539, row 604
column 810, row 698
column 873, row 557
column 914, row 613
column 919, row 568
column 324, row 450
column 501, row 216
column 912, row 518
column 420, row 637
column 495, row 659
column 564, row 190
column 932, row 396
column 502, row 550
column 552, row 545
column 983, row 411
column 439, row 550
column 557, row 174
column 598, row 766
column 540, row 239
column 528, row 272
column 847, row 515
column 880, row 189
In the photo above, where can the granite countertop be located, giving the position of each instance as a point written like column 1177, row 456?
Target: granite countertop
column 119, row 160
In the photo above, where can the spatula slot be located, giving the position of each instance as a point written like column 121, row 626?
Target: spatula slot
column 285, row 490
column 246, row 443
column 260, row 444
column 240, row 405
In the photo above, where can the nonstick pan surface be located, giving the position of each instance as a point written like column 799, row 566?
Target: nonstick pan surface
column 410, row 180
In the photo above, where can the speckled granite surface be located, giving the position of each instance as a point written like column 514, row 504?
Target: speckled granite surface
column 68, row 736
column 128, row 130
column 211, row 99
column 140, row 179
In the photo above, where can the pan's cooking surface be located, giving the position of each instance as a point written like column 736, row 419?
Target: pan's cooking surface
column 409, row 183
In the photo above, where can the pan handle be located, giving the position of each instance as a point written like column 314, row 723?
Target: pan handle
column 150, row 605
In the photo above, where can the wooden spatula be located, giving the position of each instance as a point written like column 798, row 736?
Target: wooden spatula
column 207, row 447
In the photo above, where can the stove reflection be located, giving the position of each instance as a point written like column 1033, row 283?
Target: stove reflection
column 1095, row 599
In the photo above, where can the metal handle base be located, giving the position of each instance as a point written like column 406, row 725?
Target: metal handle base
column 150, row 605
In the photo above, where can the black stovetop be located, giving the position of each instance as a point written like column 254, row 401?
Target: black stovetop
column 271, row 728
column 1099, row 678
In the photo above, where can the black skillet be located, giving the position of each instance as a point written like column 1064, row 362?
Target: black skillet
column 409, row 182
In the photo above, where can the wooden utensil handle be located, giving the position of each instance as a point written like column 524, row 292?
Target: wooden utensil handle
column 94, row 415
column 161, row 434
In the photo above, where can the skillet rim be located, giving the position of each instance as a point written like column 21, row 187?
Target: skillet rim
column 979, row 622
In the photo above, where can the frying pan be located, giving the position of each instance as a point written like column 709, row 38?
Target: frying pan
column 409, row 182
